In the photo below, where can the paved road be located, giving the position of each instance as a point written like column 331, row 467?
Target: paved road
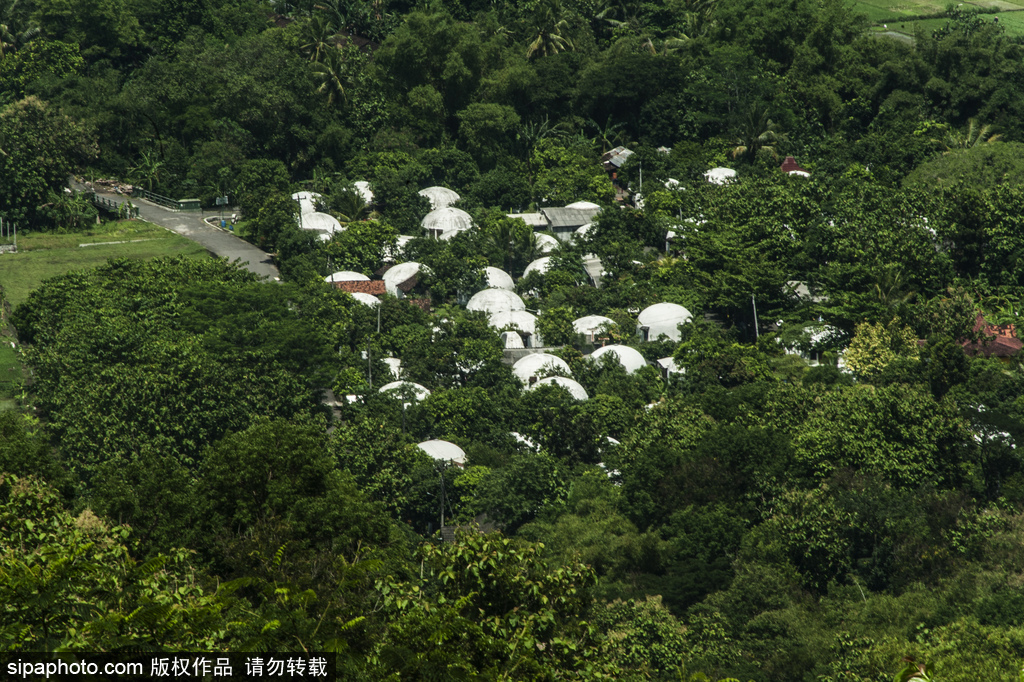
column 216, row 241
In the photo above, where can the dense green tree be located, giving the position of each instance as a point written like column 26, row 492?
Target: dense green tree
column 42, row 146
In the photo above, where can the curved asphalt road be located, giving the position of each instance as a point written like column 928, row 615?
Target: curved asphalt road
column 191, row 226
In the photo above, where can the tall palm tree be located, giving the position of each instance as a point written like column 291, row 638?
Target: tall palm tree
column 147, row 169
column 348, row 206
column 551, row 23
column 15, row 25
column 757, row 133
column 668, row 46
column 608, row 136
column 340, row 12
column 532, row 132
column 318, row 37
column 332, row 73
column 975, row 135
column 512, row 245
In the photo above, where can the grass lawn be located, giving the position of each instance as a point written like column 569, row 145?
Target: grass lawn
column 907, row 16
column 10, row 372
column 42, row 255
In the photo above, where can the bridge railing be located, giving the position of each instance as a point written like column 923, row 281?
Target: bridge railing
column 167, row 202
column 123, row 209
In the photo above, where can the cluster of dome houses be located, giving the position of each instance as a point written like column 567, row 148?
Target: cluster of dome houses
column 506, row 312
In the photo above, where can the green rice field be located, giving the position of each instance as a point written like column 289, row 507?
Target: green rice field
column 909, row 16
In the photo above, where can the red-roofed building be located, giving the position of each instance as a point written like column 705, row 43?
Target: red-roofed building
column 372, row 287
column 995, row 340
column 791, row 167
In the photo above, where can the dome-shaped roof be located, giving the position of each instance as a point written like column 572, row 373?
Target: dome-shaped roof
column 591, row 324
column 498, row 279
column 415, row 391
column 363, row 187
column 400, row 273
column 524, row 440
column 671, row 183
column 307, row 201
column 584, row 230
column 439, row 197
column 520, row 319
column 583, row 205
column 495, row 301
column 366, row 299
column 444, row 220
column 577, row 391
column 663, row 318
column 511, row 340
column 320, row 221
column 664, row 312
column 346, row 276
column 720, row 176
column 540, row 265
column 443, row 451
column 394, row 366
column 670, row 365
column 628, row 357
column 546, row 243
column 531, row 365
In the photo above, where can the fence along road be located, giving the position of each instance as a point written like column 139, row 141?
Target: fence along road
column 191, row 226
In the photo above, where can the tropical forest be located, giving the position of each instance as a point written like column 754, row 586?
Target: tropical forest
column 541, row 340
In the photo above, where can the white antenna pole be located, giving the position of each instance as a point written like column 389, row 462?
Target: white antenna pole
column 757, row 331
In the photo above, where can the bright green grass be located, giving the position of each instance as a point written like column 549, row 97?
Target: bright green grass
column 888, row 11
column 1012, row 22
column 10, row 370
column 44, row 255
column 904, row 16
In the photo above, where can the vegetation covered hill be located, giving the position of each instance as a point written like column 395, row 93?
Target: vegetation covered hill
column 197, row 460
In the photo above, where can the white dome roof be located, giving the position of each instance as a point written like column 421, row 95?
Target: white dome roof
column 399, row 273
column 530, row 365
column 540, row 265
column 520, row 319
column 720, row 176
column 584, row 230
column 524, row 440
column 346, row 276
column 307, row 201
column 395, row 365
column 320, row 221
column 511, row 340
column 663, row 318
column 445, row 220
column 577, row 391
column 363, row 187
column 366, row 299
column 443, row 451
column 498, row 279
column 591, row 323
column 546, row 243
column 439, row 197
column 671, row 366
column 628, row 357
column 495, row 301
column 582, row 204
column 416, row 392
